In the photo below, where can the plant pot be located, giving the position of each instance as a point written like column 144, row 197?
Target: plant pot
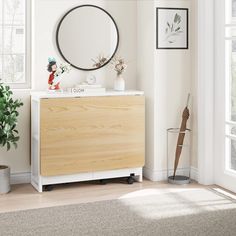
column 4, row 179
column 119, row 83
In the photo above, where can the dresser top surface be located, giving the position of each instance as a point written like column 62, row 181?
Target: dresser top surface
column 49, row 94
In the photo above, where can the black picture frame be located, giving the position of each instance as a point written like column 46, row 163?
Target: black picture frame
column 158, row 9
column 58, row 44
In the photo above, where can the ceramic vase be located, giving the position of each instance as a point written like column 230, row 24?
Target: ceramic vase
column 4, row 179
column 119, row 83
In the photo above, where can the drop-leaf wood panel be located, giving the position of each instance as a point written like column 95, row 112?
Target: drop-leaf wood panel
column 91, row 134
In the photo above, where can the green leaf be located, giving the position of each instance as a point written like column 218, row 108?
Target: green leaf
column 7, row 128
column 8, row 146
column 14, row 144
column 16, row 139
column 4, row 141
column 8, row 117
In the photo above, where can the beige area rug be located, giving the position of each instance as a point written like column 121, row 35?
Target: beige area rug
column 144, row 212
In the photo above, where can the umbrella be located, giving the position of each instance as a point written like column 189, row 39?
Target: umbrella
column 181, row 136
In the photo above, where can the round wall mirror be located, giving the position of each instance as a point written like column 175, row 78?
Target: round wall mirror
column 87, row 37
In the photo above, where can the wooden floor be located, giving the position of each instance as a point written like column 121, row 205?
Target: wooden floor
column 24, row 196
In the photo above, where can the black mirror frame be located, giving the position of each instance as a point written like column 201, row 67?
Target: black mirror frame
column 57, row 40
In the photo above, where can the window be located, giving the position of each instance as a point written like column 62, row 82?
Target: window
column 14, row 43
column 230, row 42
column 233, row 8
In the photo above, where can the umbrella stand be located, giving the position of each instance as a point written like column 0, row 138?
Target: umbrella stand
column 183, row 175
column 180, row 143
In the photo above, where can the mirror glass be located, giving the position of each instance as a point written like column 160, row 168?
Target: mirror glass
column 87, row 37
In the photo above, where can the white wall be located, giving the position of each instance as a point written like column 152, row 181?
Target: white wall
column 19, row 159
column 146, row 71
column 166, row 83
column 174, row 80
column 194, row 85
column 44, row 39
column 46, row 14
column 165, row 76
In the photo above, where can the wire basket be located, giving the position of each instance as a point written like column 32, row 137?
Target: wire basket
column 182, row 175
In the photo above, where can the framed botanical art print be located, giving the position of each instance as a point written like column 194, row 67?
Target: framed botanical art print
column 171, row 28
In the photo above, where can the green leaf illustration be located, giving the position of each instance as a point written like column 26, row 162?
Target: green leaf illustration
column 177, row 18
column 177, row 29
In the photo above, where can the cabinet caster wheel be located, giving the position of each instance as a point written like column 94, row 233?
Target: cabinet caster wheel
column 130, row 180
column 47, row 188
column 102, row 182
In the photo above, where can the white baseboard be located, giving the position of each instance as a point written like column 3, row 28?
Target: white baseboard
column 161, row 175
column 20, row 178
column 154, row 175
column 194, row 173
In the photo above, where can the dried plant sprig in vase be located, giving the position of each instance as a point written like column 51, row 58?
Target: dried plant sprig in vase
column 119, row 65
column 100, row 61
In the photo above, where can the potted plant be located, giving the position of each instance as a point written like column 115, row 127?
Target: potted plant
column 8, row 132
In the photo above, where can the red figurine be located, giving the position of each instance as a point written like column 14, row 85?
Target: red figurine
column 52, row 67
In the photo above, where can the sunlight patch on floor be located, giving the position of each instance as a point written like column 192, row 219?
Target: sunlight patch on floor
column 154, row 191
column 157, row 204
column 226, row 193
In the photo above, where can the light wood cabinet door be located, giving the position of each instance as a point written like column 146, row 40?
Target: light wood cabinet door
column 91, row 134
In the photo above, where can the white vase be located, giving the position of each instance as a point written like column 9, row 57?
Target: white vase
column 119, row 83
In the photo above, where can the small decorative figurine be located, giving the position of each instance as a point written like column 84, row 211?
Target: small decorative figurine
column 55, row 73
column 52, row 67
column 90, row 79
